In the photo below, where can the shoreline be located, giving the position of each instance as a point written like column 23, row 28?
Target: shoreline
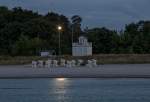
column 102, row 71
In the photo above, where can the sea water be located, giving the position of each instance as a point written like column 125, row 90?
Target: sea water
column 74, row 90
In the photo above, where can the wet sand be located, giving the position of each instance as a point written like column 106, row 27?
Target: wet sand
column 102, row 71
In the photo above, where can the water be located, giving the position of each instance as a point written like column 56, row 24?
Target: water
column 74, row 90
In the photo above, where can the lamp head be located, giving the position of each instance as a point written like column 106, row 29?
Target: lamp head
column 59, row 28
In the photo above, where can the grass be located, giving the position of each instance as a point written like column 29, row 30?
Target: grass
column 8, row 60
column 101, row 58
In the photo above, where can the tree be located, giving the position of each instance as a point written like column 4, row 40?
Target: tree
column 24, row 32
column 104, row 40
column 137, row 37
column 76, row 26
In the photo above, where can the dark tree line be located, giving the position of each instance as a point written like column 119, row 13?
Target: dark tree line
column 24, row 32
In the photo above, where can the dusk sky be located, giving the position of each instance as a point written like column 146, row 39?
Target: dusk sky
column 95, row 13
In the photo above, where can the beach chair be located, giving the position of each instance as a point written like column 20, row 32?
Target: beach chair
column 63, row 62
column 48, row 63
column 80, row 62
column 89, row 63
column 55, row 63
column 73, row 63
column 94, row 63
column 68, row 65
column 34, row 64
column 40, row 64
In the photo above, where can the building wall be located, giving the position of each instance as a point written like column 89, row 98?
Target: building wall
column 81, row 50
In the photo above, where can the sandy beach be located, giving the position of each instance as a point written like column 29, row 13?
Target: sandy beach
column 102, row 71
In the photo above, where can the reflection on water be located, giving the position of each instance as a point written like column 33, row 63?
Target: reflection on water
column 74, row 90
column 61, row 79
column 60, row 87
column 59, row 83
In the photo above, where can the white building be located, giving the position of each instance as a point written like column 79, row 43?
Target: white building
column 82, row 47
column 46, row 53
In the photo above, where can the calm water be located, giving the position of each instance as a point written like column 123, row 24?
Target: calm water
column 74, row 90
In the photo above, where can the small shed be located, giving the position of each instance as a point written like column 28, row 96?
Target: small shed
column 46, row 53
column 82, row 47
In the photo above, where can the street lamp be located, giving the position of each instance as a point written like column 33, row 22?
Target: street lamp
column 59, row 31
column 59, row 28
column 72, row 32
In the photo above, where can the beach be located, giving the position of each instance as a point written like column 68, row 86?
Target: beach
column 101, row 71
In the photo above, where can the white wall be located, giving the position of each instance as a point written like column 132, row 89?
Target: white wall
column 81, row 51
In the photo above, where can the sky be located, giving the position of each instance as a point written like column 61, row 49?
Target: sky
column 113, row 14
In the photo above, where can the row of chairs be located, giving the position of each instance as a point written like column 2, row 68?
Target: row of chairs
column 63, row 63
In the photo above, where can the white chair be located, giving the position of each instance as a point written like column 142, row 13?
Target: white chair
column 68, row 65
column 80, row 62
column 34, row 64
column 63, row 62
column 73, row 63
column 94, row 63
column 55, row 63
column 48, row 63
column 89, row 63
column 40, row 64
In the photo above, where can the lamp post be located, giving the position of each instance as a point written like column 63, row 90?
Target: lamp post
column 72, row 33
column 59, row 47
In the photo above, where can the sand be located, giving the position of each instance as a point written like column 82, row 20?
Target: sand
column 102, row 71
